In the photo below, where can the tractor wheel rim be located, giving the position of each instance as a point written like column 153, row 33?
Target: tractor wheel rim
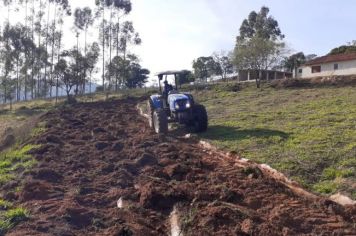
column 155, row 123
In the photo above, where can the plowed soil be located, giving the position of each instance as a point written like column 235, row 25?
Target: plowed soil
column 103, row 171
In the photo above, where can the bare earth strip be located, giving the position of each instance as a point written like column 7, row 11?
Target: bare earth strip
column 102, row 171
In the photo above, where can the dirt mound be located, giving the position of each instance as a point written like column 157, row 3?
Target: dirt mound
column 103, row 171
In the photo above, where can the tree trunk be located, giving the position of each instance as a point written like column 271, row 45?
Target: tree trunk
column 39, row 54
column 77, row 63
column 110, row 42
column 52, row 53
column 103, row 49
column 258, row 82
column 85, row 54
column 117, row 54
column 26, row 54
column 47, row 29
column 5, row 90
column 33, row 49
column 17, row 81
column 59, row 57
column 90, row 83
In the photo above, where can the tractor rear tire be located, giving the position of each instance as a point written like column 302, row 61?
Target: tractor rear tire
column 200, row 119
column 150, row 113
column 160, row 121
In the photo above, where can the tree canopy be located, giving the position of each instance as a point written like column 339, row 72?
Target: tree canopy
column 344, row 49
column 294, row 61
column 260, row 25
column 204, row 67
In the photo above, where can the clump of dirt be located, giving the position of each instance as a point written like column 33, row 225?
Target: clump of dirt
column 95, row 154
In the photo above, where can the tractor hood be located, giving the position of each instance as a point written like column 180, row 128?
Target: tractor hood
column 174, row 97
column 180, row 99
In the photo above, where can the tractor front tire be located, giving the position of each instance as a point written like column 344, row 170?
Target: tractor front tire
column 200, row 119
column 160, row 121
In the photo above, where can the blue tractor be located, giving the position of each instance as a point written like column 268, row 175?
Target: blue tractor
column 171, row 106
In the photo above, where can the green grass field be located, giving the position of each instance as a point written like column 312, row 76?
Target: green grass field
column 308, row 134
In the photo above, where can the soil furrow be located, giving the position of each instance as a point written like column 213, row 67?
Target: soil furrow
column 94, row 154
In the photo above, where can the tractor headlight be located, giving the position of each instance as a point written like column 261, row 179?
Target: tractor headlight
column 177, row 106
column 188, row 105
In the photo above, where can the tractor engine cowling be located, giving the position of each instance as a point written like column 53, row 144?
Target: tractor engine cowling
column 179, row 102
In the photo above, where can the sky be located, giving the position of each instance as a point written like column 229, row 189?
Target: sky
column 175, row 32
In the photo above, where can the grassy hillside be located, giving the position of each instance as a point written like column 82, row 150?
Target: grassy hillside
column 309, row 134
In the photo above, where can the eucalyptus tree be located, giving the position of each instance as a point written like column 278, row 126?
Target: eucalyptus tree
column 46, row 39
column 83, row 19
column 7, row 60
column 116, row 69
column 33, row 52
column 101, row 6
column 65, row 74
column 39, row 55
column 92, row 57
column 17, row 37
column 69, row 70
column 259, row 45
column 6, row 50
column 128, row 37
column 28, row 47
column 63, row 9
column 118, row 9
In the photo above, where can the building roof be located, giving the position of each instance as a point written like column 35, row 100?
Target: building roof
column 331, row 58
column 170, row 72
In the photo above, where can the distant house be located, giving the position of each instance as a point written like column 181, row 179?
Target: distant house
column 330, row 65
column 250, row 75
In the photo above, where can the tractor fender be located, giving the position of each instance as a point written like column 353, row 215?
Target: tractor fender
column 156, row 101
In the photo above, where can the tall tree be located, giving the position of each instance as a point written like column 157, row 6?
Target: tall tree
column 310, row 57
column 7, row 58
column 92, row 57
column 205, row 67
column 185, row 77
column 259, row 46
column 83, row 19
column 225, row 64
column 137, row 76
column 17, row 35
column 121, row 7
column 127, row 37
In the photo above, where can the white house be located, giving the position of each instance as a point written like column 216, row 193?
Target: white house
column 331, row 65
